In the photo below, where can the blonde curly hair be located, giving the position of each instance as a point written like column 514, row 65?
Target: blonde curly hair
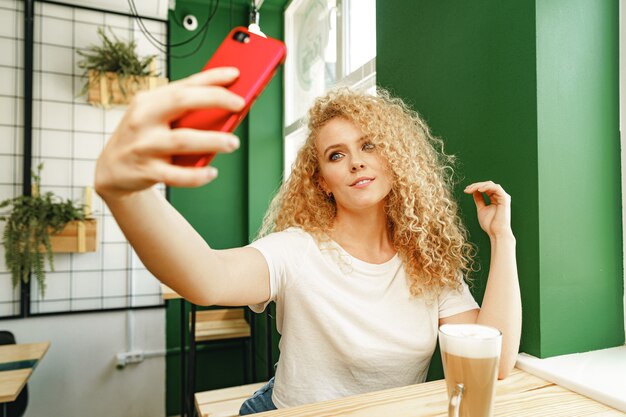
column 424, row 226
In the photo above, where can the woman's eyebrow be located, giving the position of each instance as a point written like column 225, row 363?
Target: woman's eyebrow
column 331, row 147
column 339, row 145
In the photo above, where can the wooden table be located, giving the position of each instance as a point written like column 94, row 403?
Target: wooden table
column 17, row 363
column 521, row 394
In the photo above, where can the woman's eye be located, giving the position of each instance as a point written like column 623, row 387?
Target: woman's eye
column 368, row 146
column 335, row 156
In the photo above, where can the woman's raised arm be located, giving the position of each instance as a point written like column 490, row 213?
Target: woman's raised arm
column 138, row 155
column 502, row 306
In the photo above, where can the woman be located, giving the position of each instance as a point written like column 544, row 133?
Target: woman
column 363, row 250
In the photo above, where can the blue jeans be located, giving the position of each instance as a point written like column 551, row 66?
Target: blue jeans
column 260, row 401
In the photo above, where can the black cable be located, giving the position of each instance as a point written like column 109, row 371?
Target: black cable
column 203, row 30
column 146, row 32
column 206, row 31
column 153, row 39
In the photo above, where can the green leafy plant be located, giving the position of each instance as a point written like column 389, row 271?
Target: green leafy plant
column 29, row 225
column 114, row 55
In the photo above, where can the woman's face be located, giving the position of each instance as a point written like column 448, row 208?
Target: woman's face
column 351, row 167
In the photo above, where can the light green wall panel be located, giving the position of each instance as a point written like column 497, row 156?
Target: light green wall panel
column 579, row 167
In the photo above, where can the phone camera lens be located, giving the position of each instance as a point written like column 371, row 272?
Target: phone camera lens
column 241, row 37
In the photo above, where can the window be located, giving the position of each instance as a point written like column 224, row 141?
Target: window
column 331, row 43
column 361, row 34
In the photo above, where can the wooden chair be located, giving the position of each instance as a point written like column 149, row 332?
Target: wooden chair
column 227, row 323
column 218, row 325
column 226, row 402
column 208, row 326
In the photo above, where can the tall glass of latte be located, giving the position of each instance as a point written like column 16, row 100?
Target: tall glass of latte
column 470, row 354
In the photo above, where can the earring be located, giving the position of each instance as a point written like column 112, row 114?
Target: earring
column 330, row 196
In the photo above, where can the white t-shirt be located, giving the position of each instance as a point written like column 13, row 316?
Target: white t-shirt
column 347, row 326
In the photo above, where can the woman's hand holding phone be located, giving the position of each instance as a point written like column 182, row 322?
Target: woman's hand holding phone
column 139, row 153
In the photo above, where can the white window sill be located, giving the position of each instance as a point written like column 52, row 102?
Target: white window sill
column 599, row 374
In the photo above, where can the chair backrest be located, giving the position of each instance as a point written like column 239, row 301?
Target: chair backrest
column 6, row 338
column 16, row 408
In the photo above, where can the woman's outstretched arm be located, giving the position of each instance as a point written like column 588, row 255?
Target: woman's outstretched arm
column 138, row 155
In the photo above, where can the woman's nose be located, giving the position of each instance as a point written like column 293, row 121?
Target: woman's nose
column 357, row 166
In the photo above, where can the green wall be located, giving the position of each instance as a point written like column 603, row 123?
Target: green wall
column 579, row 167
column 227, row 212
column 525, row 94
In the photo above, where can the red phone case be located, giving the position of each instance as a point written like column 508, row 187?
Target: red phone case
column 257, row 61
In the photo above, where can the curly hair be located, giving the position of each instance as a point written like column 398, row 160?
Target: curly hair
column 422, row 215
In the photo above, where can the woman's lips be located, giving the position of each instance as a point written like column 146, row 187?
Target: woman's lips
column 362, row 182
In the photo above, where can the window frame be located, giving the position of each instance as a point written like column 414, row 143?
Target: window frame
column 622, row 128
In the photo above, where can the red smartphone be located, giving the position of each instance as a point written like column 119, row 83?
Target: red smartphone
column 257, row 59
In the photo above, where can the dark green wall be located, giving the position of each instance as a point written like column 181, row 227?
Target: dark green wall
column 227, row 212
column 527, row 96
column 471, row 74
column 265, row 164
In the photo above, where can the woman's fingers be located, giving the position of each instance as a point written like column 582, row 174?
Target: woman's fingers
column 482, row 187
column 494, row 191
column 178, row 176
column 495, row 217
column 167, row 104
column 479, row 200
column 201, row 90
column 189, row 141
column 215, row 76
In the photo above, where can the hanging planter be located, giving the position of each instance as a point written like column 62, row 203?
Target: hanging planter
column 77, row 236
column 109, row 88
column 34, row 222
column 114, row 71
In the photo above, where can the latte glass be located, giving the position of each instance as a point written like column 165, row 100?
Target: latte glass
column 470, row 354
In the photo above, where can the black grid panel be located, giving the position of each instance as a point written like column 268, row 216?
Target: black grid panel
column 68, row 134
column 11, row 129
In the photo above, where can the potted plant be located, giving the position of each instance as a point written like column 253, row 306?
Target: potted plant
column 115, row 72
column 31, row 227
